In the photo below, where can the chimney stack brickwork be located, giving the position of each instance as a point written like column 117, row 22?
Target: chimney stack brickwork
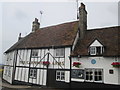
column 82, row 20
column 35, row 25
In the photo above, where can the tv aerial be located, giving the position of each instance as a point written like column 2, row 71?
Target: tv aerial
column 41, row 12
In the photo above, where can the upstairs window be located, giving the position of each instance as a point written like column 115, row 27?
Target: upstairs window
column 59, row 52
column 96, row 48
column 34, row 53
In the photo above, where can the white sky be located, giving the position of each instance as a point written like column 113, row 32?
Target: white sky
column 17, row 17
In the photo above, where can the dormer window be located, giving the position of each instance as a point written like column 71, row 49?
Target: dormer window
column 96, row 48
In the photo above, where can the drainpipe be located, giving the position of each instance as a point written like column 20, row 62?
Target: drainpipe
column 70, row 71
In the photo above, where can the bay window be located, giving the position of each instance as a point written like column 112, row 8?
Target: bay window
column 94, row 75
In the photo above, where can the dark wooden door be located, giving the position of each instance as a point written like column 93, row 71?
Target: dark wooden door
column 51, row 77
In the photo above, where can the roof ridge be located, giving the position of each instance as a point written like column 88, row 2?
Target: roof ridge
column 59, row 24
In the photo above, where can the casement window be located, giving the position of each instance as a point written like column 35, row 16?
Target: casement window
column 59, row 52
column 96, row 50
column 34, row 53
column 94, row 75
column 9, row 71
column 60, row 75
column 33, row 73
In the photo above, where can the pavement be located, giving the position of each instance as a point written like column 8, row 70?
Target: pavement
column 6, row 86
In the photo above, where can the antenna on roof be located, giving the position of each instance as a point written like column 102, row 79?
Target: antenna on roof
column 41, row 12
column 77, row 9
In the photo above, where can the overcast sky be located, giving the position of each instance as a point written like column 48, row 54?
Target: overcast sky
column 17, row 17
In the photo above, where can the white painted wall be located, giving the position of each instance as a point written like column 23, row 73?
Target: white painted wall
column 9, row 59
column 103, row 63
column 7, row 77
column 96, row 43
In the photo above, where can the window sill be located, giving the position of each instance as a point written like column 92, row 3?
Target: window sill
column 96, row 55
column 60, row 80
column 35, row 57
column 94, row 81
column 33, row 77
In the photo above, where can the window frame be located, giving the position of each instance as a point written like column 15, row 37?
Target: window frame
column 60, row 52
column 33, row 75
column 60, row 75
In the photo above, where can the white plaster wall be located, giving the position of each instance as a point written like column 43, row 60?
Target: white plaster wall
column 6, row 77
column 96, row 43
column 67, row 76
column 9, row 60
column 23, row 55
column 103, row 63
column 24, row 74
column 67, row 60
column 9, row 57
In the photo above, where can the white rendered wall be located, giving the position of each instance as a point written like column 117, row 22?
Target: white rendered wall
column 8, row 68
column 96, row 43
column 102, row 63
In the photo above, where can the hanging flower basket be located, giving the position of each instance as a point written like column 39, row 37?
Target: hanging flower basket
column 116, row 64
column 76, row 64
column 46, row 63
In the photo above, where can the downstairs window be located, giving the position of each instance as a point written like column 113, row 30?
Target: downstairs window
column 60, row 75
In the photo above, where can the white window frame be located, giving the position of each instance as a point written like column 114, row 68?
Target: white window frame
column 33, row 73
column 60, row 75
column 93, row 50
column 34, row 53
column 93, row 75
column 60, row 52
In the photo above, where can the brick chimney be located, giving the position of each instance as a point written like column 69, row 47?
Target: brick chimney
column 35, row 25
column 82, row 20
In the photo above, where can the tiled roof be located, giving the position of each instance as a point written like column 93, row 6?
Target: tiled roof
column 109, row 37
column 58, row 35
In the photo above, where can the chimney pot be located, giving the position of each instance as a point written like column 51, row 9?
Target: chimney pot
column 35, row 25
column 82, row 6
